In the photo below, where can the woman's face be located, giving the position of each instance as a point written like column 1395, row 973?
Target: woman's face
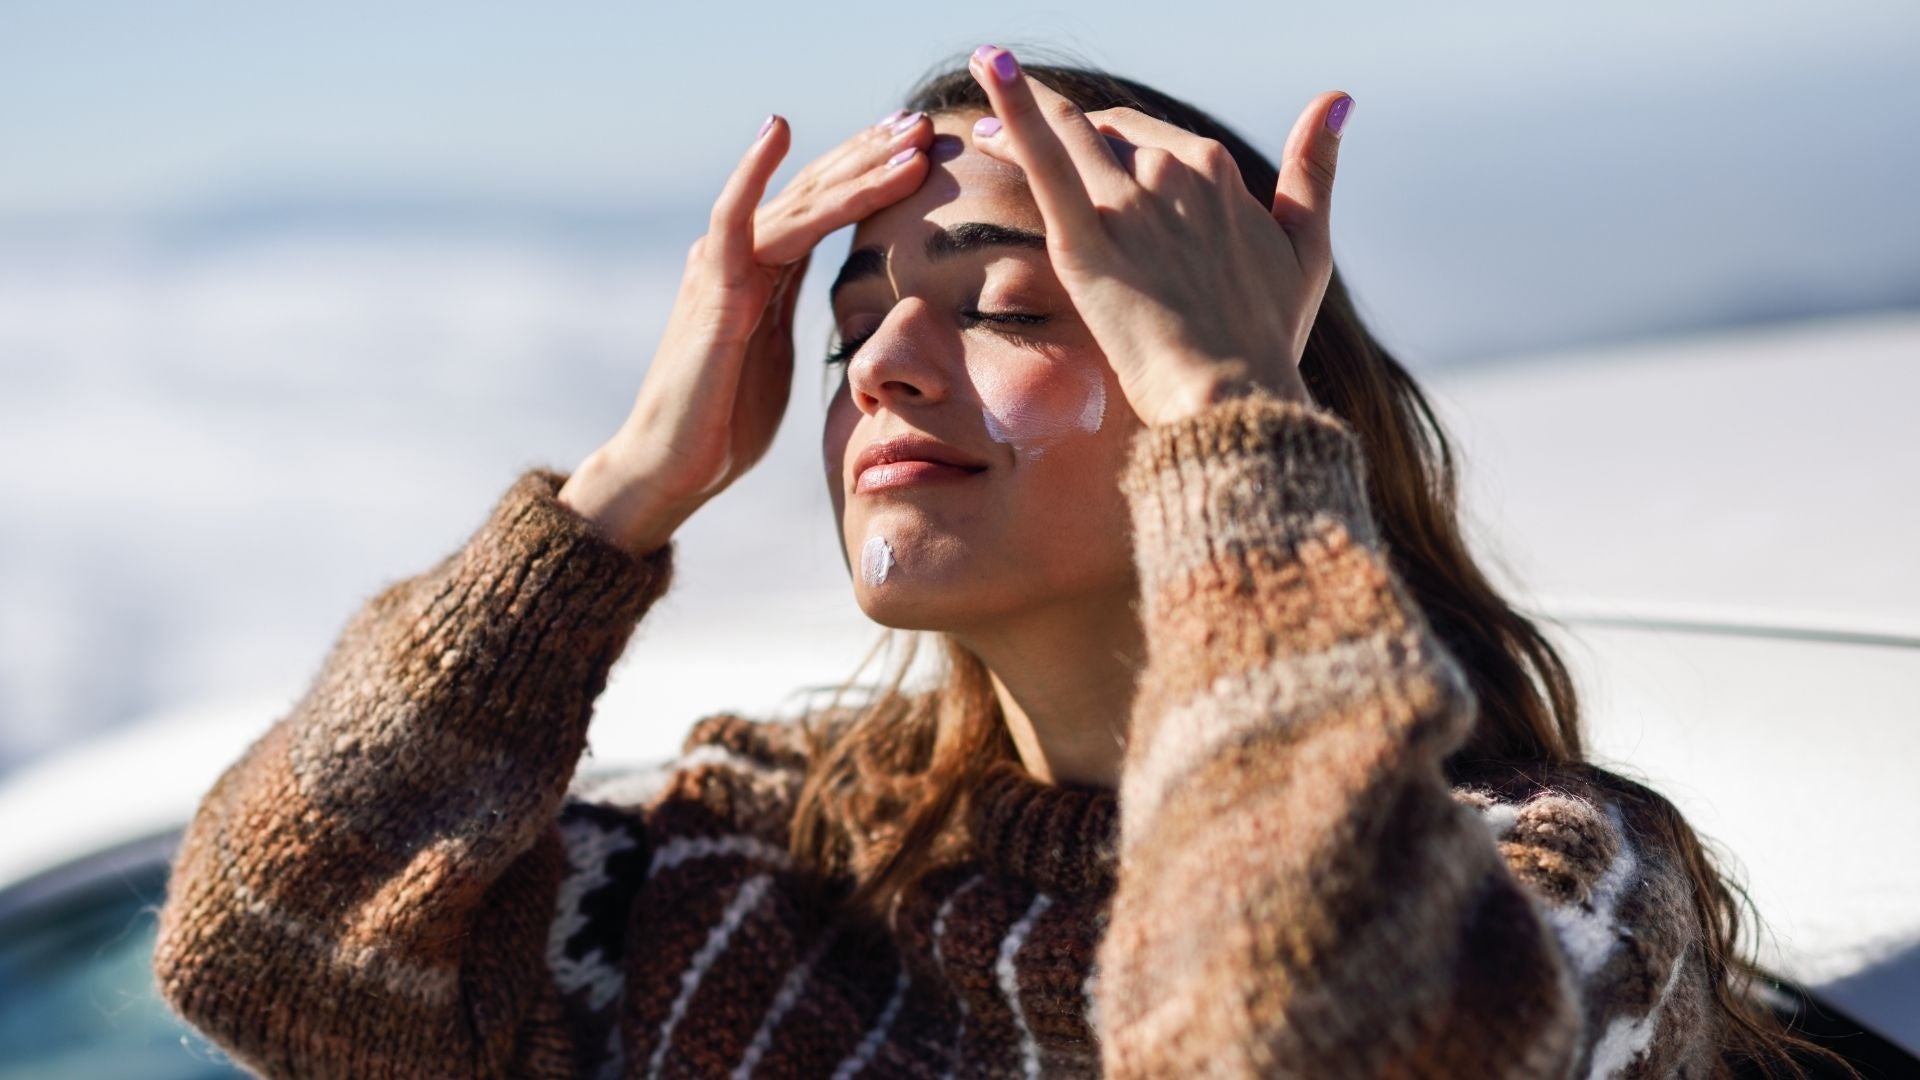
column 1030, row 402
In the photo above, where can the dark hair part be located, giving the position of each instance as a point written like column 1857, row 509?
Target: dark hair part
column 890, row 776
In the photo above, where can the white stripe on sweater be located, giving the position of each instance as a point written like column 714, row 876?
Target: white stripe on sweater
column 1628, row 1037
column 751, row 893
column 940, row 925
column 1500, row 817
column 1090, row 988
column 870, row 1045
column 796, row 981
column 371, row 961
column 640, row 787
column 589, row 845
column 940, row 957
column 683, row 848
column 1009, row 978
column 1589, row 932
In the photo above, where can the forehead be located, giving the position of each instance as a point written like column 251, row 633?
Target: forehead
column 962, row 184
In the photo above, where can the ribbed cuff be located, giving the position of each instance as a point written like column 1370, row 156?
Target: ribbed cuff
column 533, row 610
column 609, row 583
column 1254, row 471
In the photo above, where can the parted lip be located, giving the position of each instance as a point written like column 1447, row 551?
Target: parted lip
column 911, row 448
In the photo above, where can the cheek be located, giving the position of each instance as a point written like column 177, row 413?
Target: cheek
column 837, row 430
column 1034, row 407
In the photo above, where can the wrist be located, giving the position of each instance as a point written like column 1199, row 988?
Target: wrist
column 1226, row 382
column 623, row 507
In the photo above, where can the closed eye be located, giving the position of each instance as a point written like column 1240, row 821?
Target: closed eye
column 848, row 348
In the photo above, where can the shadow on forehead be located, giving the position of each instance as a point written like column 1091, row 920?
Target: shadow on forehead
column 949, row 148
column 950, row 153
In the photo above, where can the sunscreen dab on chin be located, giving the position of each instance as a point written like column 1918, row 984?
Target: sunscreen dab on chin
column 876, row 558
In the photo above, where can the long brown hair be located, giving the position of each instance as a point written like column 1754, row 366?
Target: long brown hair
column 890, row 776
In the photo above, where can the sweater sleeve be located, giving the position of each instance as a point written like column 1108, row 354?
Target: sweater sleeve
column 1300, row 891
column 367, row 891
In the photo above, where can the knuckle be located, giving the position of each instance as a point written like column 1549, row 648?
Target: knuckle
column 1320, row 170
column 1215, row 156
column 1061, row 110
column 1154, row 165
column 799, row 208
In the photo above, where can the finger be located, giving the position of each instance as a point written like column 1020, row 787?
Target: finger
column 796, row 276
column 790, row 226
column 1136, row 129
column 776, row 316
column 769, row 355
column 861, row 150
column 1303, row 199
column 730, row 226
column 1051, row 141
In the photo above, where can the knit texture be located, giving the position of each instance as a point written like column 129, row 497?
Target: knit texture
column 405, row 876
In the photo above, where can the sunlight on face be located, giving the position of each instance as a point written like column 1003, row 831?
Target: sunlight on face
column 970, row 340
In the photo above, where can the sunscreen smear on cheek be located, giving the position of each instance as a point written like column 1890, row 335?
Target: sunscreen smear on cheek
column 1033, row 417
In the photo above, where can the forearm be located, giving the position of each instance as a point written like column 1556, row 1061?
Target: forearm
column 350, row 854
column 1300, row 894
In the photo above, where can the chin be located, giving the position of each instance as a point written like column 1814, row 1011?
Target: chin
column 904, row 571
column 951, row 602
column 902, row 607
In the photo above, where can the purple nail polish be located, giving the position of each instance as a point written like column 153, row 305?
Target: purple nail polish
column 887, row 120
column 985, row 51
column 986, row 127
column 1337, row 116
column 906, row 123
column 1005, row 67
column 766, row 127
column 902, row 157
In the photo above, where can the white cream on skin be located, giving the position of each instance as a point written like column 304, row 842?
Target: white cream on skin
column 1031, row 421
column 876, row 558
column 1027, row 414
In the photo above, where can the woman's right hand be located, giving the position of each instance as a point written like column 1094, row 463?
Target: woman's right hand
column 718, row 385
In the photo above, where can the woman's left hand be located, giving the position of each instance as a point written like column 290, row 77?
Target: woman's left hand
column 1193, row 289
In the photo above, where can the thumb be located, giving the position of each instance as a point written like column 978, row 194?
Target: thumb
column 1303, row 200
column 775, row 327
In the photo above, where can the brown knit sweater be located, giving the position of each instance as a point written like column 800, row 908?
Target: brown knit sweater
column 404, row 878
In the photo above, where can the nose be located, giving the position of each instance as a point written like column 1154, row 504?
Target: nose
column 902, row 364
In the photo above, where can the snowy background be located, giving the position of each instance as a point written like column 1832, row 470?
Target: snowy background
column 288, row 298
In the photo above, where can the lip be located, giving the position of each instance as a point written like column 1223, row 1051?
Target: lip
column 910, row 459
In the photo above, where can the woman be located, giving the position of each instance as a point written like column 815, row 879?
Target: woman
column 1239, row 766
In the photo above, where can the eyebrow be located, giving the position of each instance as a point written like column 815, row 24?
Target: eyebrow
column 868, row 262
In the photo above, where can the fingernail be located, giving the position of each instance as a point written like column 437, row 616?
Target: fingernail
column 1005, row 67
column 906, row 123
column 887, row 120
column 766, row 127
column 902, row 157
column 1337, row 116
column 986, row 127
column 985, row 52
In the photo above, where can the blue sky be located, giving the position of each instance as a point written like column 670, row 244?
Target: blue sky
column 117, row 106
column 1518, row 176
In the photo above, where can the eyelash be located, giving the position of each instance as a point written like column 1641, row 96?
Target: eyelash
column 846, row 350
